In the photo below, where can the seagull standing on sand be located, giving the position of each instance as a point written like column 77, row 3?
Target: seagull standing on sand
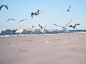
column 19, row 31
column 36, row 13
column 32, row 29
column 41, row 30
column 74, row 25
column 0, row 29
column 68, row 9
column 21, row 20
column 62, row 26
column 3, row 6
column 11, row 19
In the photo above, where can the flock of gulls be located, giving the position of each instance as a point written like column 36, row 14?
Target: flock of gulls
column 32, row 29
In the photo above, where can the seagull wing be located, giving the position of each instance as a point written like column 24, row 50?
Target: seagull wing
column 1, row 6
column 32, row 14
column 77, row 24
column 69, row 7
column 8, row 20
column 68, row 23
column 14, row 19
column 40, row 26
column 19, row 21
column 70, row 26
column 58, row 25
column 6, row 6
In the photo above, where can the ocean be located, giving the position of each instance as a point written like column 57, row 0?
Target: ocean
column 9, row 32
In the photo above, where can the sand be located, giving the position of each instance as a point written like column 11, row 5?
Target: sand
column 44, row 49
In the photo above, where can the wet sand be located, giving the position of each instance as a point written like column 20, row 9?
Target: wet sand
column 44, row 49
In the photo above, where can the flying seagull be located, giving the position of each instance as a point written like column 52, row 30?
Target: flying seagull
column 62, row 26
column 21, row 20
column 11, row 19
column 68, row 9
column 36, row 13
column 19, row 31
column 3, row 6
column 74, row 25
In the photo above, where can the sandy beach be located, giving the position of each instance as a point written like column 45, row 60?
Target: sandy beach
column 44, row 49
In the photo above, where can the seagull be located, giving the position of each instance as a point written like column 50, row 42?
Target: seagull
column 21, row 20
column 36, row 13
column 32, row 29
column 19, row 31
column 11, row 19
column 3, row 6
column 42, row 30
column 68, row 9
column 74, row 25
column 0, row 29
column 62, row 26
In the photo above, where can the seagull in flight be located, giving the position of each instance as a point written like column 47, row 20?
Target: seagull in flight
column 74, row 25
column 22, row 20
column 68, row 9
column 36, row 13
column 11, row 19
column 3, row 6
column 62, row 26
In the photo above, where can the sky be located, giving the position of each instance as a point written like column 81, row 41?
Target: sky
column 52, row 13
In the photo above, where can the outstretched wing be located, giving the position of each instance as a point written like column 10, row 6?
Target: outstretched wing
column 58, row 25
column 68, row 23
column 32, row 14
column 69, row 7
column 6, row 6
column 14, row 19
column 77, row 24
column 1, row 6
column 40, row 26
column 70, row 26
column 8, row 20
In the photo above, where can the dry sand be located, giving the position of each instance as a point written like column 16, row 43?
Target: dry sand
column 44, row 49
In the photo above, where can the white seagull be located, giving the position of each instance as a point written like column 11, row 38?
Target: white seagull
column 62, row 26
column 32, row 29
column 3, row 6
column 19, row 31
column 74, row 25
column 68, row 9
column 11, row 19
column 22, row 20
